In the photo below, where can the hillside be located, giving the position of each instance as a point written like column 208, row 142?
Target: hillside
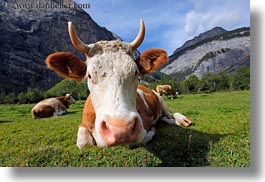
column 29, row 35
column 216, row 51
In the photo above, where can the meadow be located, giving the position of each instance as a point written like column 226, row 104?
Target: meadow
column 219, row 137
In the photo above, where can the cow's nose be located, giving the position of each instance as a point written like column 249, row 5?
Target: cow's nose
column 118, row 131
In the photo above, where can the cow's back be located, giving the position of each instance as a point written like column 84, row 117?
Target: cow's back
column 42, row 112
column 46, row 108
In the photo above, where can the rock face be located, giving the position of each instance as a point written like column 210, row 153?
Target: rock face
column 208, row 34
column 214, row 51
column 29, row 35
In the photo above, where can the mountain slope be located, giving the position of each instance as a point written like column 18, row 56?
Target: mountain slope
column 215, row 51
column 206, row 35
column 29, row 35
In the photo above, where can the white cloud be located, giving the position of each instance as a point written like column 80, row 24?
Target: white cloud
column 192, row 22
column 228, row 14
column 169, row 23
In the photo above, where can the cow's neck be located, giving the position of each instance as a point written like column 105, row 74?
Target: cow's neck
column 65, row 102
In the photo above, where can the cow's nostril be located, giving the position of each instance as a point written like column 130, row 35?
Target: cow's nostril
column 135, row 127
column 117, row 131
column 105, row 128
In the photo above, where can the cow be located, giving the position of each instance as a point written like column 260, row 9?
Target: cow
column 166, row 90
column 117, row 111
column 55, row 106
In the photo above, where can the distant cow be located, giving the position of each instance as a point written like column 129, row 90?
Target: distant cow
column 166, row 90
column 52, row 107
column 118, row 110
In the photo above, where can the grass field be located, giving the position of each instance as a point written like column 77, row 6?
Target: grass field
column 220, row 137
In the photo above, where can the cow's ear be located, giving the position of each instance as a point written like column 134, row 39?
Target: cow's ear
column 67, row 65
column 151, row 60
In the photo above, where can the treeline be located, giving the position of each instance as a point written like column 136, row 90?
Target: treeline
column 210, row 82
column 78, row 90
column 33, row 95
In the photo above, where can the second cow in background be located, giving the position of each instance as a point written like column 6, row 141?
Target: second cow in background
column 166, row 90
column 52, row 107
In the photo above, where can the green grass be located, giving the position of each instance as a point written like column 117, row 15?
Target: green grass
column 220, row 137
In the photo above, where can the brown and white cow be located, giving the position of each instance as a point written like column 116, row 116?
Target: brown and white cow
column 118, row 110
column 166, row 90
column 52, row 107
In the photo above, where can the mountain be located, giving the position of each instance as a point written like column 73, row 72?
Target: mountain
column 29, row 35
column 208, row 34
column 216, row 50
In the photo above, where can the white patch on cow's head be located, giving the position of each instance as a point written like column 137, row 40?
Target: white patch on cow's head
column 112, row 78
column 70, row 98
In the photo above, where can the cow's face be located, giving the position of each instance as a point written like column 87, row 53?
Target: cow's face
column 70, row 99
column 112, row 78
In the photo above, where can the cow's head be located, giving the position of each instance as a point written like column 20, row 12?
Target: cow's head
column 112, row 78
column 70, row 98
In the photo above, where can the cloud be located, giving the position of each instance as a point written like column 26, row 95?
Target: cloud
column 192, row 22
column 169, row 23
column 206, row 15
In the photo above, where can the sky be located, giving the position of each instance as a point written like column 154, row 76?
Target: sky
column 168, row 23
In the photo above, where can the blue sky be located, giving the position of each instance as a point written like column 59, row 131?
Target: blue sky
column 169, row 23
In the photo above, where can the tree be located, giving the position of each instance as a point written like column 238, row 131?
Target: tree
column 241, row 79
column 207, row 83
column 192, row 84
column 33, row 95
column 21, row 98
column 224, row 81
column 215, row 82
column 7, row 98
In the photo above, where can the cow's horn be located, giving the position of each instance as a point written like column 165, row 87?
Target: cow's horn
column 140, row 37
column 78, row 44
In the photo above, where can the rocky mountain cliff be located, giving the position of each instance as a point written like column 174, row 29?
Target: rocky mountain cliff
column 216, row 51
column 29, row 35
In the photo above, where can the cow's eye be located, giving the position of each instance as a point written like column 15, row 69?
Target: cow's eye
column 136, row 73
column 137, row 76
column 89, row 76
column 104, row 74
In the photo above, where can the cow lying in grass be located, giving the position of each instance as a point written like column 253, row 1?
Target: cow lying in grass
column 166, row 90
column 52, row 107
column 118, row 110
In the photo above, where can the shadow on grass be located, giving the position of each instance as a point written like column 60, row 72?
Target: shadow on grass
column 71, row 112
column 181, row 147
column 5, row 121
column 172, row 146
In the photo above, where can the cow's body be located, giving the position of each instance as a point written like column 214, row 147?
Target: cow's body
column 118, row 110
column 52, row 107
column 166, row 90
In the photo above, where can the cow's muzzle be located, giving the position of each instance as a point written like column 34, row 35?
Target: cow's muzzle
column 115, row 131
